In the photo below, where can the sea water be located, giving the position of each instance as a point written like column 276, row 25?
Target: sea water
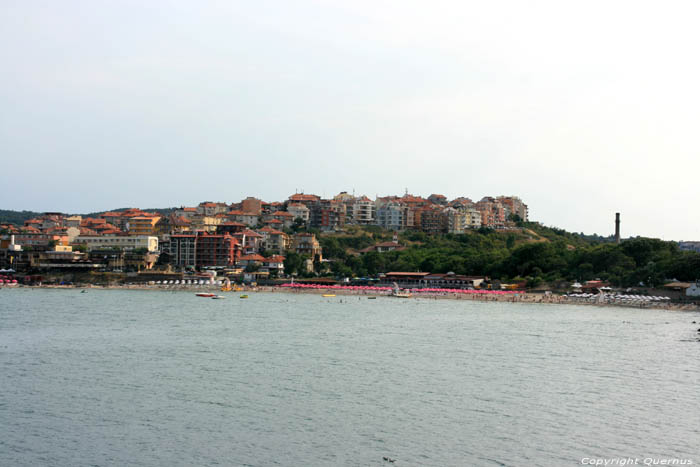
column 144, row 378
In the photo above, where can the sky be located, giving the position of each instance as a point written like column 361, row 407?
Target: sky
column 582, row 109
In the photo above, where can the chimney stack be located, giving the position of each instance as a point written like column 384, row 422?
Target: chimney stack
column 617, row 227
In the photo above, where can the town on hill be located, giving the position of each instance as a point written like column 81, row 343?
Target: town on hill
column 344, row 238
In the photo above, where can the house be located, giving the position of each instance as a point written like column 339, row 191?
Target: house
column 299, row 211
column 274, row 265
column 364, row 211
column 438, row 199
column 390, row 216
column 306, row 200
column 252, row 205
column 493, row 214
column 142, row 225
column 187, row 213
column 207, row 208
column 306, row 244
column 248, row 218
column 274, row 240
column 393, row 245
column 279, row 219
column 250, row 241
column 247, row 261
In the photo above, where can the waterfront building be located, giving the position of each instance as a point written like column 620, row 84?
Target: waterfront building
column 120, row 242
column 202, row 249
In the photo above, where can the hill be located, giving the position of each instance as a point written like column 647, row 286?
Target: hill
column 531, row 253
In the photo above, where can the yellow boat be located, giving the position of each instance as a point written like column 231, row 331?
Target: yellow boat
column 328, row 295
column 243, row 296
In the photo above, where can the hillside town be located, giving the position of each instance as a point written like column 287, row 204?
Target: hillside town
column 249, row 239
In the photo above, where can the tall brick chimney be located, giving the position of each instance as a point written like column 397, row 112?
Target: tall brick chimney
column 617, row 227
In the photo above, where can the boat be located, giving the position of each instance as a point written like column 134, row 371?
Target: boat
column 329, row 295
column 218, row 297
column 371, row 298
column 243, row 296
column 205, row 294
column 398, row 293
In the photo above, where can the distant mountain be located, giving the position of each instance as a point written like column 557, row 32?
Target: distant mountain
column 19, row 217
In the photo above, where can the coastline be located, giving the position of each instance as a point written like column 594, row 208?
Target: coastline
column 524, row 297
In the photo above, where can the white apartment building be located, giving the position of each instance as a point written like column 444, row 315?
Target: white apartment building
column 122, row 242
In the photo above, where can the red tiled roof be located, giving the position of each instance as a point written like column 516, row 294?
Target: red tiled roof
column 387, row 244
column 274, row 221
column 179, row 220
column 274, row 259
column 250, row 233
column 254, row 257
column 283, row 214
column 271, row 231
column 303, row 197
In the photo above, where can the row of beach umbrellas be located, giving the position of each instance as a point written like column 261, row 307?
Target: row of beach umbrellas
column 189, row 282
column 644, row 298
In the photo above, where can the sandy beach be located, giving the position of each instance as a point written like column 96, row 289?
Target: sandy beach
column 521, row 297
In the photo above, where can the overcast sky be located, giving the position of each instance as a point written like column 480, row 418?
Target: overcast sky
column 580, row 108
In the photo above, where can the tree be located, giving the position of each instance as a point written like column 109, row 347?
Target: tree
column 252, row 267
column 293, row 263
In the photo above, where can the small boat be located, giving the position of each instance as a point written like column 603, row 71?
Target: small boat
column 205, row 294
column 371, row 298
column 329, row 295
column 243, row 296
column 398, row 293
column 216, row 297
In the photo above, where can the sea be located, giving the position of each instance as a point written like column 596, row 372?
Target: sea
column 165, row 378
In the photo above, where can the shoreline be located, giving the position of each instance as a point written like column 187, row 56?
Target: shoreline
column 524, row 297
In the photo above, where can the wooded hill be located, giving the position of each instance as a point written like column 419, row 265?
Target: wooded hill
column 531, row 253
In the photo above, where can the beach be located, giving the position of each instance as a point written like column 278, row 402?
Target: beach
column 514, row 297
